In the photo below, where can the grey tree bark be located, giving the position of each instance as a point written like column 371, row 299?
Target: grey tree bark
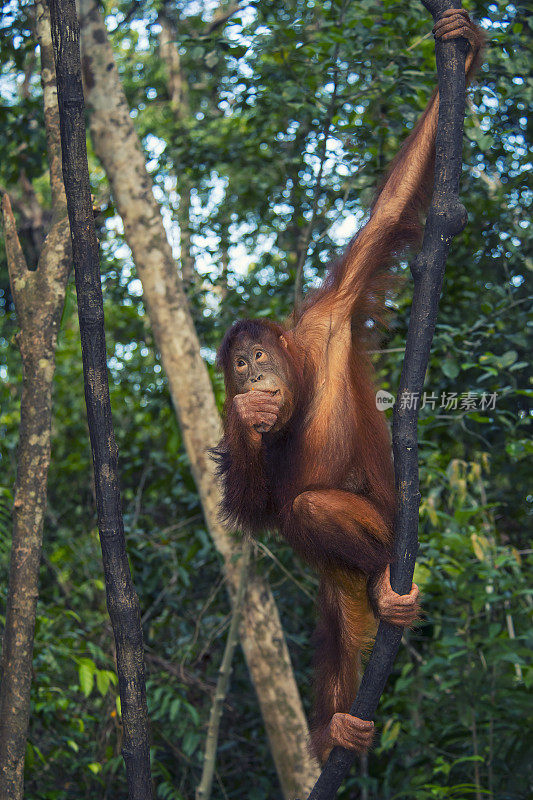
column 117, row 145
column 39, row 297
column 179, row 103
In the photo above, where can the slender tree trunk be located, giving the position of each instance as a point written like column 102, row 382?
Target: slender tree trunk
column 178, row 90
column 446, row 218
column 308, row 230
column 188, row 270
column 122, row 602
column 203, row 790
column 475, row 751
column 39, row 297
column 263, row 642
column 224, row 260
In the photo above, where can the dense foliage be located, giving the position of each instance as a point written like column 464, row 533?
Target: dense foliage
column 292, row 111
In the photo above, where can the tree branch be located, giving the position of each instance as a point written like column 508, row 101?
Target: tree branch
column 298, row 280
column 203, row 791
column 15, row 257
column 39, row 298
column 446, row 218
column 222, row 16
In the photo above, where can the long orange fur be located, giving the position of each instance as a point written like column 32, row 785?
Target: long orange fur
column 326, row 482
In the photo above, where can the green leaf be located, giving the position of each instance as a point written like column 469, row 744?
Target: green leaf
column 102, row 681
column 450, row 368
column 507, row 359
column 190, row 742
column 174, row 708
column 390, row 734
column 86, row 670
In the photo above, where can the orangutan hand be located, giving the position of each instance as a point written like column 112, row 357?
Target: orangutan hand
column 398, row 609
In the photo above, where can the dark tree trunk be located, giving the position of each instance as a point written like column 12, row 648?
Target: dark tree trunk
column 446, row 218
column 122, row 601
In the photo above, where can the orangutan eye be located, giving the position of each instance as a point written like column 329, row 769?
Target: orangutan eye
column 240, row 364
column 259, row 355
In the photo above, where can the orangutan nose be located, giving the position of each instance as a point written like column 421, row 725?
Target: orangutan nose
column 257, row 378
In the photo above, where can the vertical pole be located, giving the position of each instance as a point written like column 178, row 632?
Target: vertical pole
column 446, row 218
column 122, row 602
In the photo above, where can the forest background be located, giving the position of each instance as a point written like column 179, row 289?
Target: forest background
column 265, row 127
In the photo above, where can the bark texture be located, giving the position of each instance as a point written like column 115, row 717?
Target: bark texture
column 178, row 91
column 39, row 297
column 122, row 602
column 446, row 218
column 117, row 145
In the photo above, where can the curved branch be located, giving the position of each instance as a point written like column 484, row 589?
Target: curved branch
column 446, row 218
